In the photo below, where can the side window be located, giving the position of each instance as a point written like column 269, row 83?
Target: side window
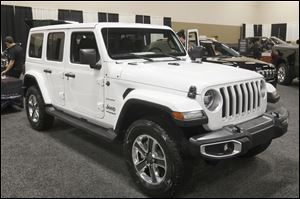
column 36, row 45
column 82, row 40
column 55, row 46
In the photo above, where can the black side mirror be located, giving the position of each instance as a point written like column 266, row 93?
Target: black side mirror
column 196, row 52
column 89, row 57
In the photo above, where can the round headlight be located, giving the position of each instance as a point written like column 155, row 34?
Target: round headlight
column 211, row 100
column 263, row 88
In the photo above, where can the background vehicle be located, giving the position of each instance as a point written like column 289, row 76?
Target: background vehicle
column 278, row 41
column 286, row 59
column 217, row 52
column 136, row 83
column 11, row 88
column 3, row 60
column 246, row 47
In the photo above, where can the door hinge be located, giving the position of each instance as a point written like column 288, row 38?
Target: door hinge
column 62, row 95
column 100, row 106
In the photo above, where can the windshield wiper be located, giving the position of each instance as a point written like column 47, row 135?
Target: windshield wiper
column 141, row 57
column 147, row 58
column 169, row 55
column 130, row 56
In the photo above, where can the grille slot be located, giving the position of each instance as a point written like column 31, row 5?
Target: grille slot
column 241, row 98
column 230, row 101
column 224, row 102
column 258, row 90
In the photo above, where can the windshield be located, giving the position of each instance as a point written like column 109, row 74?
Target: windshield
column 131, row 43
column 215, row 49
column 277, row 40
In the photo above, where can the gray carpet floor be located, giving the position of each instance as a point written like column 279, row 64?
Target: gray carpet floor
column 67, row 162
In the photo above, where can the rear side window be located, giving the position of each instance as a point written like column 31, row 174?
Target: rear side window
column 82, row 40
column 36, row 45
column 55, row 46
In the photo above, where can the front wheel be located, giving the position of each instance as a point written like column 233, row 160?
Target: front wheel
column 153, row 158
column 35, row 109
column 284, row 74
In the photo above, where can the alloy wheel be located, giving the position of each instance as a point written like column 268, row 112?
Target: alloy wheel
column 33, row 108
column 281, row 74
column 149, row 159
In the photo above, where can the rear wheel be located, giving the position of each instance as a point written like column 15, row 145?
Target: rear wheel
column 153, row 158
column 285, row 76
column 35, row 109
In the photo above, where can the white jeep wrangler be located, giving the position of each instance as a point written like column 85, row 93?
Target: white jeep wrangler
column 136, row 83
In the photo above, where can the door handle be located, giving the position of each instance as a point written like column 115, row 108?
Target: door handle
column 71, row 75
column 47, row 71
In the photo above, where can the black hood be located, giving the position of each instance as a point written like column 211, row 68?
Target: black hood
column 242, row 62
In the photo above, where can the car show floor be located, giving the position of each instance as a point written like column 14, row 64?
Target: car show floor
column 67, row 162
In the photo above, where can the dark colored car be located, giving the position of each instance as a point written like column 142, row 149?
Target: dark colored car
column 217, row 52
column 278, row 41
column 258, row 47
column 11, row 88
column 286, row 60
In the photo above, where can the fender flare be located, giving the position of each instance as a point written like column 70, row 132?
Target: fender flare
column 162, row 101
column 41, row 84
column 270, row 88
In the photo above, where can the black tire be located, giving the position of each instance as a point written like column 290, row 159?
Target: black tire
column 287, row 76
column 176, row 164
column 44, row 121
column 257, row 150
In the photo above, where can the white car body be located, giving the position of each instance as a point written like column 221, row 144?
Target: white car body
column 158, row 82
column 162, row 106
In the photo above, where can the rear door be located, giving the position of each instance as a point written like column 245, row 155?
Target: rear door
column 54, row 67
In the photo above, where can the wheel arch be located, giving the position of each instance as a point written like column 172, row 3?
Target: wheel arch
column 135, row 109
column 144, row 103
column 35, row 80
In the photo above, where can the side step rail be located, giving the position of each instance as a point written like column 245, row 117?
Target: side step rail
column 107, row 134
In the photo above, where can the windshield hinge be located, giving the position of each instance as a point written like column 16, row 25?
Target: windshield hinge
column 100, row 107
column 101, row 82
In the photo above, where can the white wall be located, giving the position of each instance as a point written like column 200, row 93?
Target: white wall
column 272, row 12
column 205, row 12
column 221, row 12
column 210, row 12
column 277, row 12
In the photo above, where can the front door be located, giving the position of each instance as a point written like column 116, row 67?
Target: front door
column 192, row 38
column 84, row 85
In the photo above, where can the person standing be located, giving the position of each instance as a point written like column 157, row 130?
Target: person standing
column 257, row 49
column 15, row 57
column 181, row 35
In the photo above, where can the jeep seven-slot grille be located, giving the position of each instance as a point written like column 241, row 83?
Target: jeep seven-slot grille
column 240, row 98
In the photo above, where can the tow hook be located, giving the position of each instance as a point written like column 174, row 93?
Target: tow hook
column 275, row 114
column 236, row 129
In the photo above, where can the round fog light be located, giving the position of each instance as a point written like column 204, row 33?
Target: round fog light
column 228, row 147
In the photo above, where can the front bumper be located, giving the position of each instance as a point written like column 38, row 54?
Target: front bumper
column 272, row 81
column 16, row 100
column 236, row 140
